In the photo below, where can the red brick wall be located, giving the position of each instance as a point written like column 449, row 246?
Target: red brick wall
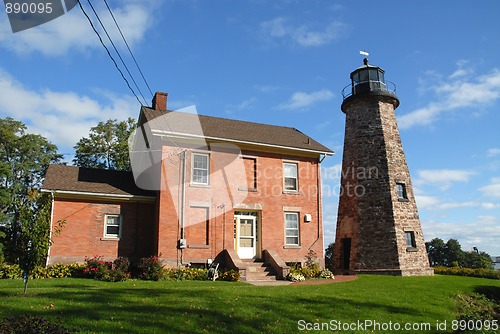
column 83, row 233
column 269, row 200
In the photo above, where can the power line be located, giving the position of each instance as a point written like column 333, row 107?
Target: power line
column 109, row 53
column 116, row 50
column 130, row 51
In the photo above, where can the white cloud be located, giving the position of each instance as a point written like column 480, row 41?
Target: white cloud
column 62, row 117
column 492, row 152
column 483, row 232
column 302, row 35
column 243, row 105
column 493, row 189
column 444, row 178
column 72, row 31
column 459, row 90
column 424, row 201
column 302, row 100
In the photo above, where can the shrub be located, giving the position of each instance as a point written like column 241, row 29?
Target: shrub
column 230, row 275
column 102, row 270
column 150, row 269
column 10, row 271
column 29, row 324
column 192, row 274
column 295, row 277
column 481, row 273
column 326, row 274
column 476, row 307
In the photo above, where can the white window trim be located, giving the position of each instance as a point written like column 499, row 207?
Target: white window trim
column 208, row 169
column 120, row 227
column 296, row 177
column 293, row 229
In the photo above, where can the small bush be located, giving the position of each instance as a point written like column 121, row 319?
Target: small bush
column 230, row 275
column 481, row 273
column 181, row 274
column 295, row 277
column 475, row 307
column 102, row 270
column 10, row 271
column 30, row 324
column 326, row 274
column 150, row 269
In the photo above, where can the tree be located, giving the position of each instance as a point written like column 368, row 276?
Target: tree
column 436, row 251
column 453, row 253
column 477, row 260
column 107, row 146
column 329, row 256
column 24, row 159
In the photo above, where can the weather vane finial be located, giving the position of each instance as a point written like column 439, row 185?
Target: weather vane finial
column 366, row 54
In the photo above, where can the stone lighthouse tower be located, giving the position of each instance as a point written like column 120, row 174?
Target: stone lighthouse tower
column 378, row 228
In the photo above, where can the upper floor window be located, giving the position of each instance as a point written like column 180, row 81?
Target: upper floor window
column 201, row 168
column 401, row 191
column 410, row 239
column 112, row 226
column 290, row 176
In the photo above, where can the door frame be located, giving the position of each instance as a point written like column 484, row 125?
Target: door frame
column 255, row 216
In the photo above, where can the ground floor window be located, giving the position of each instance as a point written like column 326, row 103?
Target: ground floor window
column 112, row 226
column 292, row 228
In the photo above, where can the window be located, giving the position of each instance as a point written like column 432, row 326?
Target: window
column 290, row 177
column 410, row 239
column 112, row 228
column 200, row 168
column 401, row 191
column 292, row 228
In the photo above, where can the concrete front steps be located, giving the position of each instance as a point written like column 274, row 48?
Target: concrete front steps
column 258, row 271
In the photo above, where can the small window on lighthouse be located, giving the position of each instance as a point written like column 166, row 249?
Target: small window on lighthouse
column 410, row 239
column 401, row 191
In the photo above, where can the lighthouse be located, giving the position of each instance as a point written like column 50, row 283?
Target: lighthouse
column 378, row 227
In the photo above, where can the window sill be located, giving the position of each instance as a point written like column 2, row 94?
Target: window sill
column 403, row 200
column 109, row 239
column 291, row 192
column 411, row 249
column 199, row 246
column 292, row 247
column 250, row 190
column 195, row 185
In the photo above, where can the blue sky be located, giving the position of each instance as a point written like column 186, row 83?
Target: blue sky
column 285, row 62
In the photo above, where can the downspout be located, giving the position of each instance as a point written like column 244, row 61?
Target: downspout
column 183, row 200
column 319, row 201
column 50, row 231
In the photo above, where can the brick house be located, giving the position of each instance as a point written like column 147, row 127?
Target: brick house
column 201, row 188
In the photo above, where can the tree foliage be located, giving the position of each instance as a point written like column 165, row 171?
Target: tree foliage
column 24, row 159
column 106, row 147
column 450, row 254
column 329, row 256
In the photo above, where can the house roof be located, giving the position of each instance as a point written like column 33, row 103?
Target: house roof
column 71, row 179
column 232, row 130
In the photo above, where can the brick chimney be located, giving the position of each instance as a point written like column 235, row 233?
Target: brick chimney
column 160, row 101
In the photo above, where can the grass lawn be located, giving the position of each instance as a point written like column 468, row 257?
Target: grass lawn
column 225, row 307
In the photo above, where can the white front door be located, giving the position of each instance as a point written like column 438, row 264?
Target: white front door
column 245, row 236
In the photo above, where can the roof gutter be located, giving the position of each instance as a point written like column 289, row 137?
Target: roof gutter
column 121, row 197
column 187, row 136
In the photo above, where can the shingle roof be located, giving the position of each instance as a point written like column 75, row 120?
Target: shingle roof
column 89, row 180
column 234, row 130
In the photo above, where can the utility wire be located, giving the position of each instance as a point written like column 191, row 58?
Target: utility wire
column 116, row 50
column 109, row 54
column 130, row 51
